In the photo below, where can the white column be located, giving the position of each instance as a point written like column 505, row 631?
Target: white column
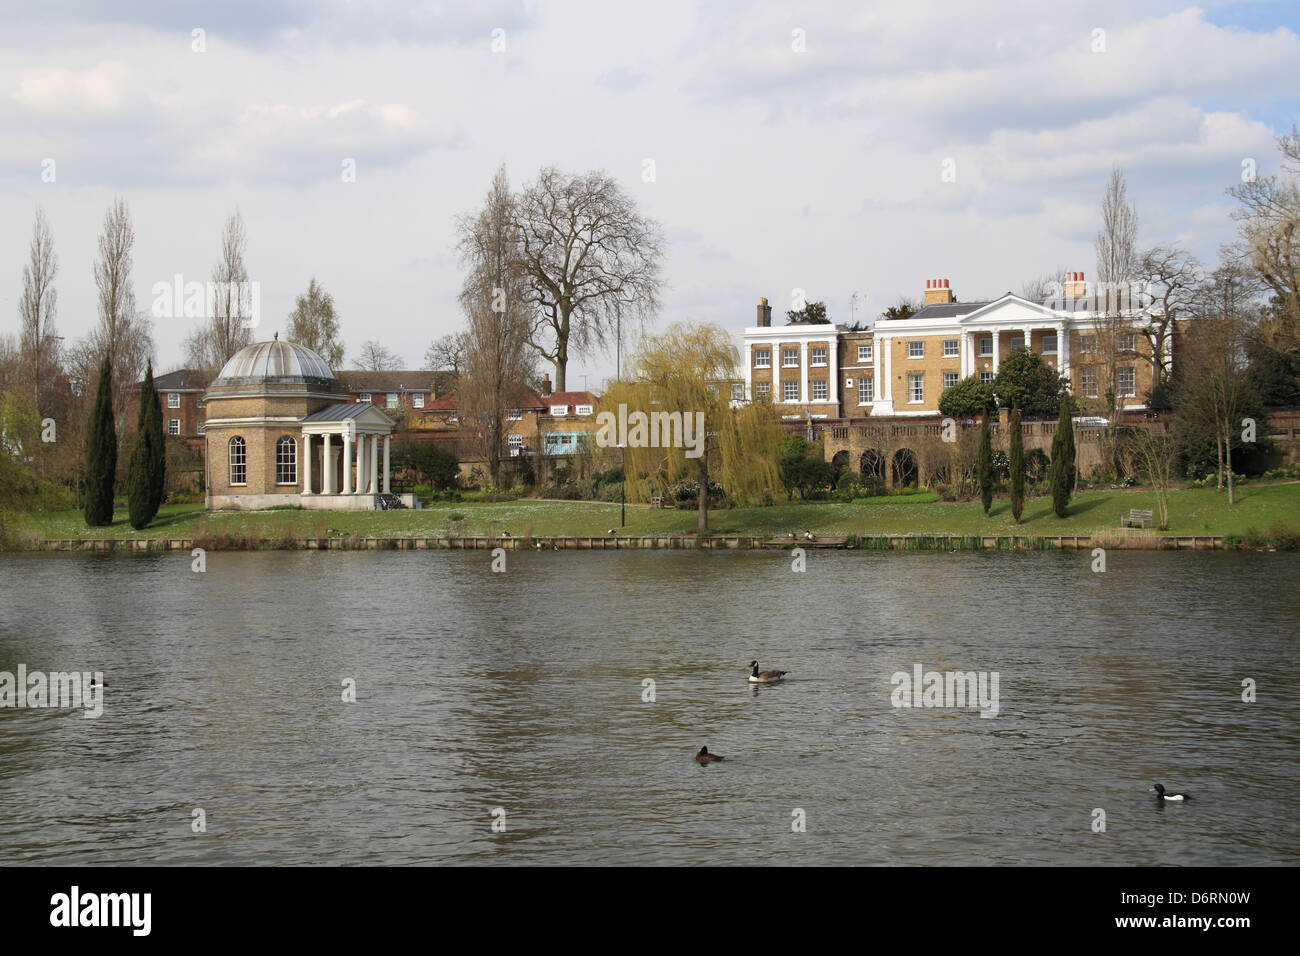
column 803, row 372
column 327, row 468
column 306, row 464
column 749, row 385
column 362, row 464
column 388, row 440
column 996, row 355
column 1062, row 350
column 372, row 458
column 875, row 369
column 347, row 463
column 963, row 343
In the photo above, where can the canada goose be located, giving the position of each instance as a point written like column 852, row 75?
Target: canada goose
column 705, row 757
column 611, row 531
column 809, row 536
column 764, row 677
column 1159, row 791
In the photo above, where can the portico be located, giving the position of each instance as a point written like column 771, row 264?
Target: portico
column 341, row 455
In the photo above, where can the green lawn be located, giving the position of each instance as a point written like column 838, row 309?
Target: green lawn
column 1192, row 512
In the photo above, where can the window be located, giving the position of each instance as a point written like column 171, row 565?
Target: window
column 1017, row 341
column 1088, row 382
column 915, row 350
column 392, row 399
column 515, row 441
column 363, row 397
column 173, row 399
column 238, row 461
column 173, row 426
column 986, row 345
column 737, row 393
column 865, row 353
column 417, row 400
column 762, row 358
column 1127, row 382
column 1126, row 342
column 818, row 355
column 1049, row 344
column 789, row 358
column 1087, row 345
column 582, row 410
column 866, row 385
column 564, row 443
column 790, row 391
column 286, row 461
column 949, row 379
column 764, row 388
column 559, row 411
column 818, row 390
column 514, row 414
column 986, row 378
column 951, row 348
column 915, row 387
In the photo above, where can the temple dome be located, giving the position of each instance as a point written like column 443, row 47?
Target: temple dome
column 275, row 363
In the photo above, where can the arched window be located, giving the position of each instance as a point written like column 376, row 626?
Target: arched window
column 238, row 461
column 286, row 461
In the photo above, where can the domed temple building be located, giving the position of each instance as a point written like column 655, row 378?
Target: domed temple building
column 281, row 431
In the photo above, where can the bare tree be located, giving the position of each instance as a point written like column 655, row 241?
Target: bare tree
column 1216, row 385
column 1116, row 246
column 592, row 262
column 224, row 332
column 447, row 353
column 1269, row 222
column 376, row 358
column 1049, row 285
column 37, row 308
column 124, row 335
column 1171, row 276
column 497, row 359
column 314, row 323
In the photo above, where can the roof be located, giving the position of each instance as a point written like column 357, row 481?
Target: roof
column 524, row 398
column 569, row 398
column 952, row 310
column 339, row 412
column 275, row 362
column 394, row 380
column 182, row 379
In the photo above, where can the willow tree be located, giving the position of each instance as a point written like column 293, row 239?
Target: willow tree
column 673, row 419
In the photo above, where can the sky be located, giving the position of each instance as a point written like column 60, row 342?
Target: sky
column 849, row 150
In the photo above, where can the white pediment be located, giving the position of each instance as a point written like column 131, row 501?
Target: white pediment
column 1010, row 309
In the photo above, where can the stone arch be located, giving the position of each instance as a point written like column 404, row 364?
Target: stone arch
column 903, row 468
column 840, row 460
column 872, row 464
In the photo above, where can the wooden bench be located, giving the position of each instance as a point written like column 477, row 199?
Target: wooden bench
column 657, row 502
column 1137, row 518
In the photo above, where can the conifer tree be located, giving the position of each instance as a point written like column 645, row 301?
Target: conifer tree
column 1016, row 457
column 984, row 466
column 101, row 452
column 1062, row 468
column 144, row 481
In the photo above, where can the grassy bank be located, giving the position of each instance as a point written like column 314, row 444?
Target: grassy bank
column 1201, row 511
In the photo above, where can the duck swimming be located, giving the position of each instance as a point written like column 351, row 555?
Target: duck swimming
column 764, row 677
column 705, row 757
column 1159, row 791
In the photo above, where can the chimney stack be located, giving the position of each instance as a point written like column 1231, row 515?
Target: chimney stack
column 1075, row 287
column 936, row 292
column 764, row 314
column 546, row 384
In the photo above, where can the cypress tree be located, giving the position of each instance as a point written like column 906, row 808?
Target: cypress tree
column 1017, row 460
column 158, row 446
column 143, row 495
column 1062, row 470
column 984, row 466
column 101, row 452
